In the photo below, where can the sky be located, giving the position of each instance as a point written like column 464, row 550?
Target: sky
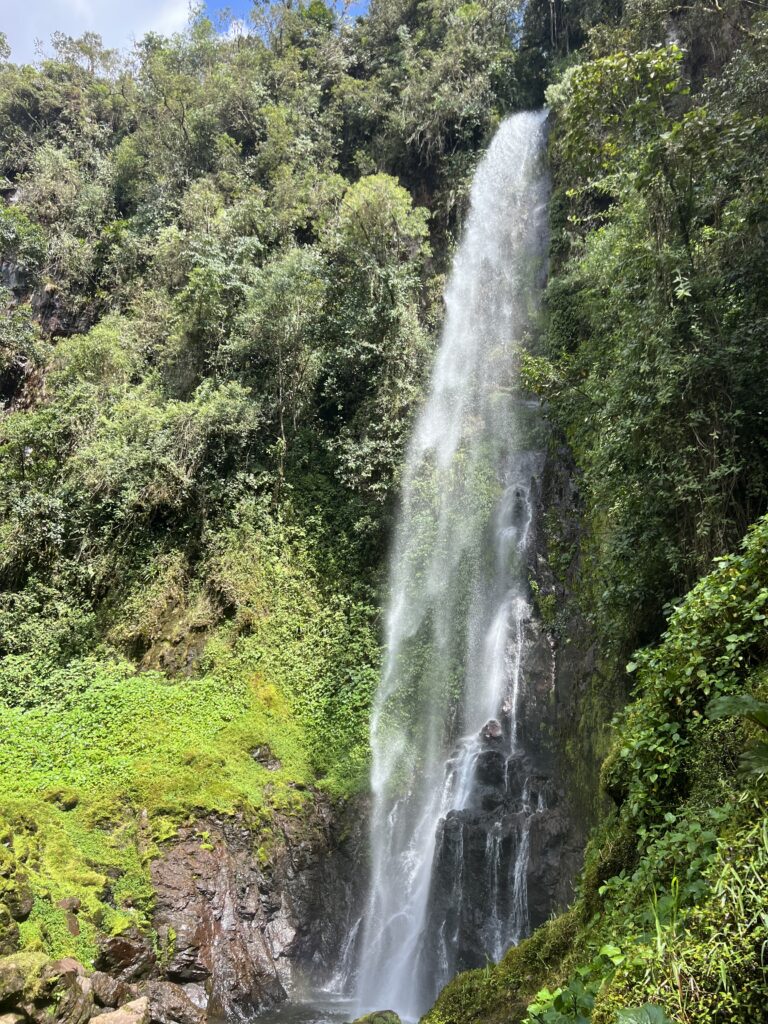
column 118, row 22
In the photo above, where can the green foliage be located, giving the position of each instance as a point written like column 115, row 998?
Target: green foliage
column 646, row 1014
column 755, row 757
column 725, row 614
column 655, row 347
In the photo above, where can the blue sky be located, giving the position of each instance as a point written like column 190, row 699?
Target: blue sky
column 117, row 21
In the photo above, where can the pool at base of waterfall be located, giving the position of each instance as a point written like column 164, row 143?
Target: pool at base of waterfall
column 318, row 1009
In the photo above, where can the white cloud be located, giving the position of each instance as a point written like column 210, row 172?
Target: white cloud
column 118, row 22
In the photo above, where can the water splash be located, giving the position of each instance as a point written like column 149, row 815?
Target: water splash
column 447, row 715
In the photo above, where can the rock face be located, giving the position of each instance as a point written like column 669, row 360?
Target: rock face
column 126, row 957
column 211, row 917
column 238, row 926
column 241, row 926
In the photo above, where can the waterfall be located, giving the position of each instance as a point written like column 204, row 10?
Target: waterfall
column 451, row 771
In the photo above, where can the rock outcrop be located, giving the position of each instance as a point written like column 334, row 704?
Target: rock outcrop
column 240, row 917
column 243, row 923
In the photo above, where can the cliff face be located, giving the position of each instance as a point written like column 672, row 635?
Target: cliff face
column 247, row 926
column 571, row 711
column 239, row 926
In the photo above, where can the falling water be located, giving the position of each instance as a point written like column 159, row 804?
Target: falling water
column 447, row 731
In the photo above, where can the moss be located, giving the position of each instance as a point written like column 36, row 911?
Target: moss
column 612, row 848
column 501, row 992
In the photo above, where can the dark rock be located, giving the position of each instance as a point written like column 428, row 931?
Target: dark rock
column 170, row 1004
column 68, row 995
column 492, row 731
column 209, row 899
column 109, row 991
column 236, row 924
column 264, row 756
column 127, row 956
column 491, row 769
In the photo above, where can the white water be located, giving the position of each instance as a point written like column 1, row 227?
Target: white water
column 459, row 598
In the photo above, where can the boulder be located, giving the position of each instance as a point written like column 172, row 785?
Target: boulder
column 66, row 993
column 170, row 1004
column 67, row 965
column 111, row 992
column 128, row 956
column 135, row 1012
column 379, row 1017
column 492, row 731
column 13, row 982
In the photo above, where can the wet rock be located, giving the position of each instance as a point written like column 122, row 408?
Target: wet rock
column 170, row 1004
column 12, row 1018
column 209, row 899
column 379, row 1017
column 491, row 770
column 136, row 1012
column 238, row 920
column 492, row 731
column 127, row 956
column 109, row 991
column 68, row 996
column 196, row 994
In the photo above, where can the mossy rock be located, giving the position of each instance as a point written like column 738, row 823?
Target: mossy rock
column 379, row 1017
column 21, row 977
column 64, row 797
column 500, row 993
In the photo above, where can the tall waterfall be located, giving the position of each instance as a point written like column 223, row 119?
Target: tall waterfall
column 454, row 794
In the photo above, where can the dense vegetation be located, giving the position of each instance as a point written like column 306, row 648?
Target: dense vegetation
column 222, row 258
